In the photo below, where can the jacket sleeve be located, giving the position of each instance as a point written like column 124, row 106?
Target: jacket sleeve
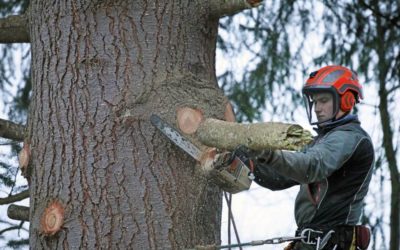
column 317, row 162
column 267, row 177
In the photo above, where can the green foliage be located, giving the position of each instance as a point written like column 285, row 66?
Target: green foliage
column 20, row 102
column 357, row 31
column 8, row 7
column 7, row 178
column 266, row 81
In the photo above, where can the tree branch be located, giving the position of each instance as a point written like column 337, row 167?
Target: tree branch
column 14, row 198
column 11, row 130
column 16, row 212
column 393, row 21
column 9, row 229
column 257, row 136
column 220, row 8
column 393, row 89
column 14, row 29
column 14, row 227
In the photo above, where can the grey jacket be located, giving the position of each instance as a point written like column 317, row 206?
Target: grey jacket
column 333, row 173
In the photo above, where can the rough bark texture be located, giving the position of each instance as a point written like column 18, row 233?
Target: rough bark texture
column 99, row 69
column 257, row 136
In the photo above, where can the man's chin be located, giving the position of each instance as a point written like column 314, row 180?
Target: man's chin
column 322, row 122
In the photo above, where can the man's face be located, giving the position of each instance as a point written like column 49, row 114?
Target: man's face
column 323, row 106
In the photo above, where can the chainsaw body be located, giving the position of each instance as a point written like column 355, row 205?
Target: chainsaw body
column 233, row 178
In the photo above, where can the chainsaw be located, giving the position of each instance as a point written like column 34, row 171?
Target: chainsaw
column 228, row 171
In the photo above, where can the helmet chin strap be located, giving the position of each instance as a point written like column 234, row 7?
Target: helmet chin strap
column 323, row 124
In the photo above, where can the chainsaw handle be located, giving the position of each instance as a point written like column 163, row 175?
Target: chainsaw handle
column 223, row 160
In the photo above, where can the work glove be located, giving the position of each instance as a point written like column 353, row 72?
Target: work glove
column 252, row 158
column 246, row 155
column 225, row 159
column 258, row 156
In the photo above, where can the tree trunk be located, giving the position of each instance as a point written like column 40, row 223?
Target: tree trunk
column 102, row 176
column 390, row 151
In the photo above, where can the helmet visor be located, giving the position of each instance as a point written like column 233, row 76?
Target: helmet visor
column 321, row 106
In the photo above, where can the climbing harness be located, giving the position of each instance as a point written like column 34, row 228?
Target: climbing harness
column 307, row 236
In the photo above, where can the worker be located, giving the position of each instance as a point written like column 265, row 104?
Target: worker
column 333, row 172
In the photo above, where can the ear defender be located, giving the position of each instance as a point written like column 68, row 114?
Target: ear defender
column 347, row 101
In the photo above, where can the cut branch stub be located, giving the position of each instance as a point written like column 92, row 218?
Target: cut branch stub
column 24, row 158
column 229, row 115
column 207, row 159
column 257, row 136
column 16, row 212
column 11, row 130
column 14, row 29
column 189, row 119
column 254, row 3
column 221, row 8
column 52, row 218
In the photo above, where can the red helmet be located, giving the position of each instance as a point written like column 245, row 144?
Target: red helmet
column 341, row 82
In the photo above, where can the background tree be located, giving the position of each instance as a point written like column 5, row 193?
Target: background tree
column 370, row 43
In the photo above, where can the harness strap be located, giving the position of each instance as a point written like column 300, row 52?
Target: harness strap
column 340, row 237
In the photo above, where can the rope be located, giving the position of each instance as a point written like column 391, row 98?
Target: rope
column 276, row 240
column 229, row 204
column 230, row 214
column 231, row 219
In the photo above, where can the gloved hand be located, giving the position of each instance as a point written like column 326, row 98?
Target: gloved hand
column 225, row 159
column 245, row 154
column 248, row 156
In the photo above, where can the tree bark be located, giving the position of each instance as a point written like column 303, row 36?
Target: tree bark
column 16, row 212
column 257, row 136
column 14, row 29
column 99, row 69
column 10, row 130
